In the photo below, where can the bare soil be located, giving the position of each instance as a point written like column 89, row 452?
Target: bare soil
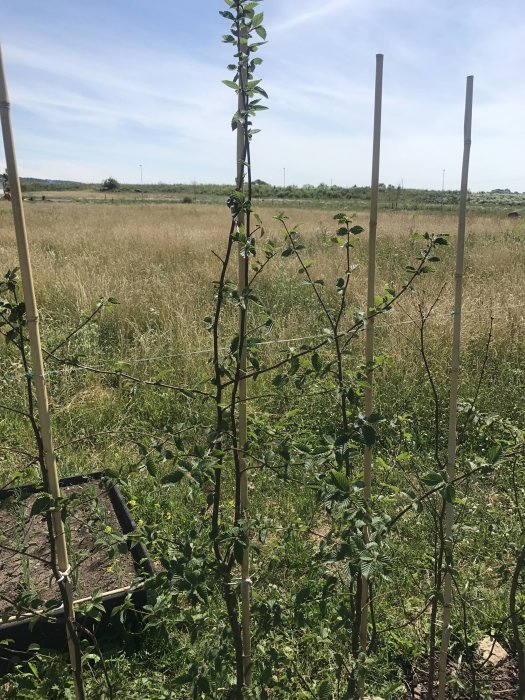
column 25, row 574
column 480, row 682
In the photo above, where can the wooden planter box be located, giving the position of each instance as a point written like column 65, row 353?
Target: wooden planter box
column 22, row 630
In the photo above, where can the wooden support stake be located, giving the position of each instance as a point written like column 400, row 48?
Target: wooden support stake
column 37, row 362
column 369, row 355
column 454, row 382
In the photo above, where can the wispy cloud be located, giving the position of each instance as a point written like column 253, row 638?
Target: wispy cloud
column 309, row 15
column 144, row 86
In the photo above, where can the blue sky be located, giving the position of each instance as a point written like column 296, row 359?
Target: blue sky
column 98, row 88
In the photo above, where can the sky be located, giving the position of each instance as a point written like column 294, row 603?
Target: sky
column 99, row 88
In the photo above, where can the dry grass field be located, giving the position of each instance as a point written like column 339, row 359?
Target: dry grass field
column 157, row 261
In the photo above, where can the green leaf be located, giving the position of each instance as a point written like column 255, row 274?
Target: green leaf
column 261, row 31
column 325, row 690
column 34, row 669
column 173, row 478
column 433, row 479
column 151, row 467
column 231, row 84
column 316, row 362
column 300, row 598
column 342, row 439
column 340, row 481
column 449, row 493
column 204, row 686
column 369, row 435
column 495, row 453
column 238, row 551
column 280, row 380
column 42, row 502
column 234, row 345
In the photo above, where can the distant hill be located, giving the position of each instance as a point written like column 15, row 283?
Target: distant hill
column 352, row 198
column 36, row 184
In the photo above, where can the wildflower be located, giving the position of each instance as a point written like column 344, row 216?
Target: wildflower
column 133, row 502
column 108, row 529
column 141, row 522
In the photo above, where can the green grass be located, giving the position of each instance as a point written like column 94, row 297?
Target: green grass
column 156, row 261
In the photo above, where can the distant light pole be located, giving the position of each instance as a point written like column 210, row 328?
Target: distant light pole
column 443, row 190
column 284, row 177
column 141, row 186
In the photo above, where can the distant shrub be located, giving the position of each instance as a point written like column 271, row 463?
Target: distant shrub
column 110, row 185
column 187, row 200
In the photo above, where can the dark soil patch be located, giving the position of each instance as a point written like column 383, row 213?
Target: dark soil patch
column 92, row 532
column 488, row 681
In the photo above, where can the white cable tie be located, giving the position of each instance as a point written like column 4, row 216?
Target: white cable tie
column 64, row 575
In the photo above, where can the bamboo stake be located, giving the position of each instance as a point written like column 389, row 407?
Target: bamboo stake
column 454, row 381
column 369, row 356
column 37, row 365
column 243, row 420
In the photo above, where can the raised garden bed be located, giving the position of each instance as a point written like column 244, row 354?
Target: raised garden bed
column 99, row 516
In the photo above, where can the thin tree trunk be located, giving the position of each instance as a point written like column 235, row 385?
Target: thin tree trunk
column 242, row 429
column 454, row 382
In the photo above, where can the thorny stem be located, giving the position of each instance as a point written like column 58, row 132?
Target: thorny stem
column 473, row 405
column 350, row 333
column 226, row 562
column 71, row 362
column 76, row 330
column 63, row 586
column 439, row 549
column 458, row 479
column 422, row 349
column 308, row 276
column 468, row 649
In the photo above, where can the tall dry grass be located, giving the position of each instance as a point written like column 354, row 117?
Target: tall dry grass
column 157, row 261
